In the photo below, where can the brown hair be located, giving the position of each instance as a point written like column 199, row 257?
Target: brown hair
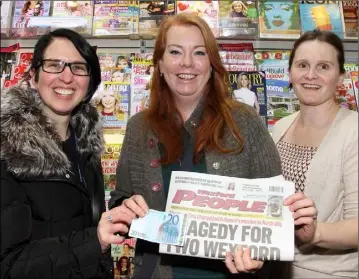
column 162, row 114
column 321, row 36
column 26, row 7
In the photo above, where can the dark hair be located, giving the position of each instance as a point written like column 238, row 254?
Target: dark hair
column 25, row 81
column 123, row 58
column 26, row 7
column 148, row 70
column 321, row 36
column 82, row 46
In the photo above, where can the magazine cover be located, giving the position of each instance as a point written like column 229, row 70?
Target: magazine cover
column 76, row 14
column 152, row 14
column 109, row 162
column 113, row 143
column 279, row 19
column 115, row 67
column 322, row 16
column 281, row 101
column 250, row 88
column 23, row 12
column 351, row 66
column 238, row 60
column 20, row 73
column 345, row 95
column 115, row 18
column 350, row 18
column 142, row 69
column 354, row 77
column 8, row 56
column 140, row 95
column 5, row 7
column 238, row 19
column 109, row 165
column 351, row 69
column 206, row 9
column 123, row 259
column 112, row 97
column 25, row 59
column 112, row 101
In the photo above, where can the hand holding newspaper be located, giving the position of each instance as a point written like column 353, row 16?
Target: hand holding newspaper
column 160, row 227
column 226, row 212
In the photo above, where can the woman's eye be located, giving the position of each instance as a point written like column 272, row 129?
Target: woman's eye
column 54, row 65
column 302, row 65
column 324, row 67
column 200, row 53
column 174, row 52
column 268, row 8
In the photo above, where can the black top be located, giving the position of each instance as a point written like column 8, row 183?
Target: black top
column 69, row 147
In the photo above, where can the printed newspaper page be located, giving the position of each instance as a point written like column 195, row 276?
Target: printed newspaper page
column 225, row 212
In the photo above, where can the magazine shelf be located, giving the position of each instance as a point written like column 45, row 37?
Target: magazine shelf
column 147, row 40
column 127, row 44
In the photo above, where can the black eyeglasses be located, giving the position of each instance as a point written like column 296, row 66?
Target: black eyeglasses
column 54, row 66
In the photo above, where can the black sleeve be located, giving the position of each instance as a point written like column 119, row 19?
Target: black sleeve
column 75, row 255
column 96, row 188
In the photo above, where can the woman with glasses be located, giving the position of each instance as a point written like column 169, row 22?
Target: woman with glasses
column 53, row 219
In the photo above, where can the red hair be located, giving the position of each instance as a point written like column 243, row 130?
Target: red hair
column 162, row 114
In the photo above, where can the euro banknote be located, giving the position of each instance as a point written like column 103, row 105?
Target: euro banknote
column 160, row 227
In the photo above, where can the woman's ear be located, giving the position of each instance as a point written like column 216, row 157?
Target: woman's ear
column 160, row 67
column 32, row 74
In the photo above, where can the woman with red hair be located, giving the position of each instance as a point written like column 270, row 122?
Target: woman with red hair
column 192, row 124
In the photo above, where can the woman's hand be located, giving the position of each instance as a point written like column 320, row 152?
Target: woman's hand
column 305, row 216
column 241, row 261
column 112, row 222
column 137, row 205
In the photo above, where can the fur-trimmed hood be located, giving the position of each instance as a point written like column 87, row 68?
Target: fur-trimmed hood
column 30, row 146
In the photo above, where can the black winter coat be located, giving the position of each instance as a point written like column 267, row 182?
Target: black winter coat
column 49, row 218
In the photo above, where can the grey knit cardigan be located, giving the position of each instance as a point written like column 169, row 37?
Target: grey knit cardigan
column 138, row 172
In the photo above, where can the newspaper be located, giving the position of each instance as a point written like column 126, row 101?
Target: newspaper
column 224, row 213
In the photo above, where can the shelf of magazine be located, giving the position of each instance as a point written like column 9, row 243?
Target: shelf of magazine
column 146, row 27
column 45, row 24
column 128, row 44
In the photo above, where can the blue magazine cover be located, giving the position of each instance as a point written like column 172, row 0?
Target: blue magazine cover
column 112, row 101
column 322, row 16
column 281, row 100
column 279, row 19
